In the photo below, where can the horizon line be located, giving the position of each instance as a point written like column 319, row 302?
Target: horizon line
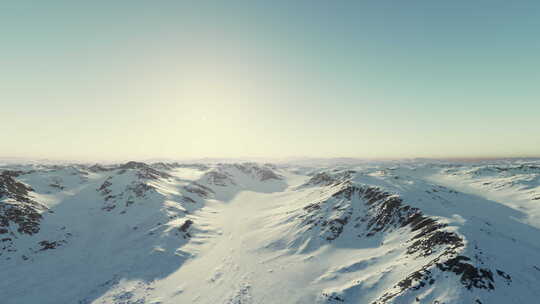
column 15, row 160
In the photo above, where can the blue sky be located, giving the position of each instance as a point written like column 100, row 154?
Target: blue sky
column 140, row 79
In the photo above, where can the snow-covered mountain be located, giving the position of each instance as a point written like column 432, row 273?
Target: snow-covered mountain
column 411, row 232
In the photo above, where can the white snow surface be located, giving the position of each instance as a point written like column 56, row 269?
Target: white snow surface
column 140, row 233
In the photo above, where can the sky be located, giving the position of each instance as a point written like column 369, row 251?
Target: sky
column 95, row 80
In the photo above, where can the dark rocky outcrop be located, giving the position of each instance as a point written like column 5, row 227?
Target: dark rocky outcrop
column 329, row 179
column 218, row 178
column 46, row 245
column 262, row 173
column 199, row 189
column 144, row 171
column 185, row 228
column 17, row 206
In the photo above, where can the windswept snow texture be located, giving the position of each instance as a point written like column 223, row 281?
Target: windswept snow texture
column 376, row 233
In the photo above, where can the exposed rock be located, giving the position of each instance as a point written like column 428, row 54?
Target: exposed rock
column 46, row 245
column 262, row 173
column 218, row 178
column 16, row 206
column 144, row 171
column 329, row 179
column 471, row 276
column 199, row 189
column 185, row 228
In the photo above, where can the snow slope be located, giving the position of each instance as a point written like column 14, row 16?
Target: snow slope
column 259, row 233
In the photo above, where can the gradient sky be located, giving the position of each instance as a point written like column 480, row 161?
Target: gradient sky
column 183, row 79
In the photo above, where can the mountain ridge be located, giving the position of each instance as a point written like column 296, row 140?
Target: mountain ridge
column 370, row 233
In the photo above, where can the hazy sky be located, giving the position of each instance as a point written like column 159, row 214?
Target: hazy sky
column 176, row 79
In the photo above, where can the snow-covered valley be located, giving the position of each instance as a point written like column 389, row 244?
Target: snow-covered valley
column 409, row 232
